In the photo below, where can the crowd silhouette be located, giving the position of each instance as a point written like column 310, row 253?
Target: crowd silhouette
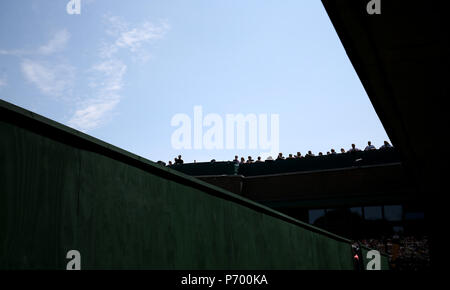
column 280, row 156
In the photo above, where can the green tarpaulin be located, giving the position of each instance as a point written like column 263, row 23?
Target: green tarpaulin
column 61, row 190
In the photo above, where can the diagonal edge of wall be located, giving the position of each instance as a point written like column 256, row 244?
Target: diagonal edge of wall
column 49, row 128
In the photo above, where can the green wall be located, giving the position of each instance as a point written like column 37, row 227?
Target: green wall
column 56, row 196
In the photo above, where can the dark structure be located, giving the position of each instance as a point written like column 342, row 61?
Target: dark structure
column 364, row 196
column 401, row 57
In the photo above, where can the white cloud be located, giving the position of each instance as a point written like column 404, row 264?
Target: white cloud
column 107, row 76
column 14, row 52
column 112, row 71
column 92, row 115
column 57, row 43
column 107, row 50
column 52, row 80
column 131, row 38
column 107, row 81
column 115, row 25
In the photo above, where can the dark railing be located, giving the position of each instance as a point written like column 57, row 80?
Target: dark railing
column 207, row 168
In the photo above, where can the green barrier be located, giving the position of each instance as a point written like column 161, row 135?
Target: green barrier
column 61, row 190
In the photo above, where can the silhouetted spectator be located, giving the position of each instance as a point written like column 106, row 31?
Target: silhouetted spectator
column 259, row 159
column 386, row 145
column 309, row 154
column 320, row 154
column 236, row 159
column 328, row 153
column 270, row 159
column 353, row 149
column 299, row 155
column 170, row 162
column 290, row 156
column 179, row 160
column 369, row 146
column 249, row 160
column 161, row 163
column 342, row 150
column 213, row 160
column 280, row 156
column 242, row 160
column 333, row 151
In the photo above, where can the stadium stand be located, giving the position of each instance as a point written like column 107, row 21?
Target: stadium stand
column 332, row 161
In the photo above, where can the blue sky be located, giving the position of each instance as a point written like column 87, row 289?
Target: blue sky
column 121, row 70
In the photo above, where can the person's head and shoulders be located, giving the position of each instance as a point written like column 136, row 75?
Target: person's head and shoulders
column 343, row 151
column 353, row 149
column 242, row 160
column 299, row 155
column 386, row 145
column 280, row 156
column 369, row 146
column 333, row 152
column 249, row 159
column 180, row 161
column 170, row 163
column 320, row 154
column 236, row 159
column 309, row 154
column 258, row 159
column 290, row 156
column 269, row 159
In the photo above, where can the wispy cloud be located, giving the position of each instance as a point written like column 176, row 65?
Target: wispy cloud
column 107, row 80
column 107, row 50
column 112, row 71
column 55, row 80
column 93, row 114
column 13, row 52
column 57, row 43
column 136, row 37
column 52, row 79
column 132, row 38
